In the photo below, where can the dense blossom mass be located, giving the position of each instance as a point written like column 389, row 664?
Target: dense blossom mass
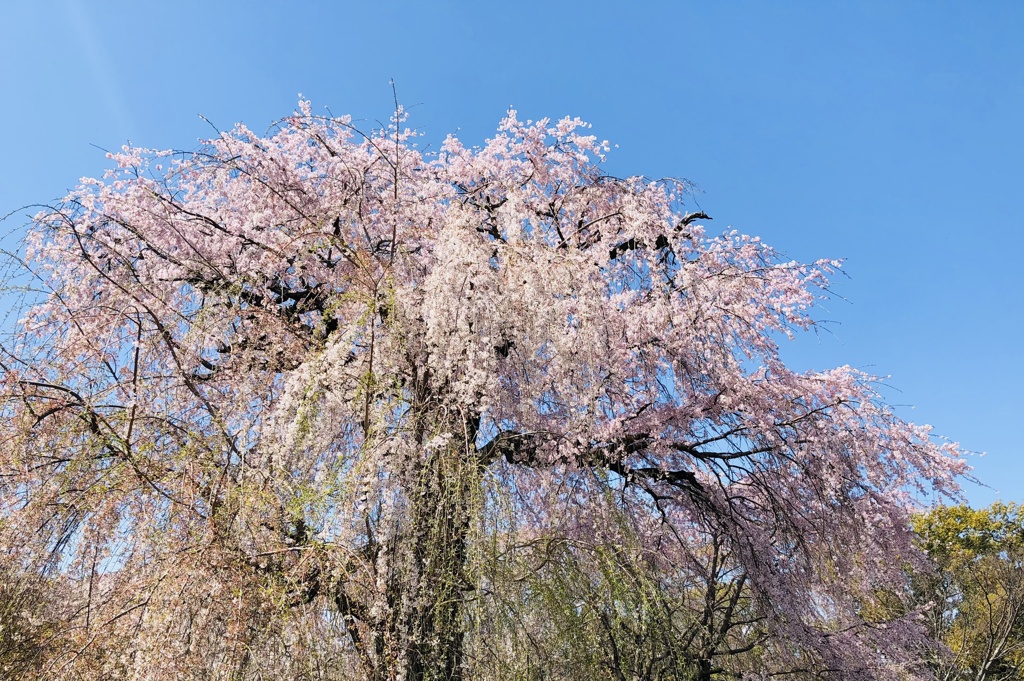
column 316, row 404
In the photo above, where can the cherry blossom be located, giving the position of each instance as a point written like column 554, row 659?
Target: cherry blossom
column 297, row 402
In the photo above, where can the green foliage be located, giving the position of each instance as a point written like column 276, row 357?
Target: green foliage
column 25, row 626
column 977, row 595
column 603, row 605
column 961, row 533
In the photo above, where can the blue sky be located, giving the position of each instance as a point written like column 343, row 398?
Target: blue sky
column 886, row 133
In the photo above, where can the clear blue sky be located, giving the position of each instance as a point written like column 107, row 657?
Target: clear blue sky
column 890, row 134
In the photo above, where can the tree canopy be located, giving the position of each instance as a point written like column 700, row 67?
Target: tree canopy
column 977, row 595
column 315, row 404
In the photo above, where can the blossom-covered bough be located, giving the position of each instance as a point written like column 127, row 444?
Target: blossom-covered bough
column 318, row 405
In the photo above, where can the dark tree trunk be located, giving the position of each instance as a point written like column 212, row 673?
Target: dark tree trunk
column 434, row 604
column 422, row 630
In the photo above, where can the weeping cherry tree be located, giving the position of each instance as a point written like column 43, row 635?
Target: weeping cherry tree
column 316, row 404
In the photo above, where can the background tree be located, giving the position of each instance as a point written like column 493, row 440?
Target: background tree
column 978, row 589
column 296, row 406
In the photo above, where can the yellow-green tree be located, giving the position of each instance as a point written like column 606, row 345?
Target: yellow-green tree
column 978, row 593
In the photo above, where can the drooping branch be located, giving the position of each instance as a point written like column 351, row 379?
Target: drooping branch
column 660, row 241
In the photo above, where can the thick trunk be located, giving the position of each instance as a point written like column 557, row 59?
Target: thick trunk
column 420, row 634
column 430, row 626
